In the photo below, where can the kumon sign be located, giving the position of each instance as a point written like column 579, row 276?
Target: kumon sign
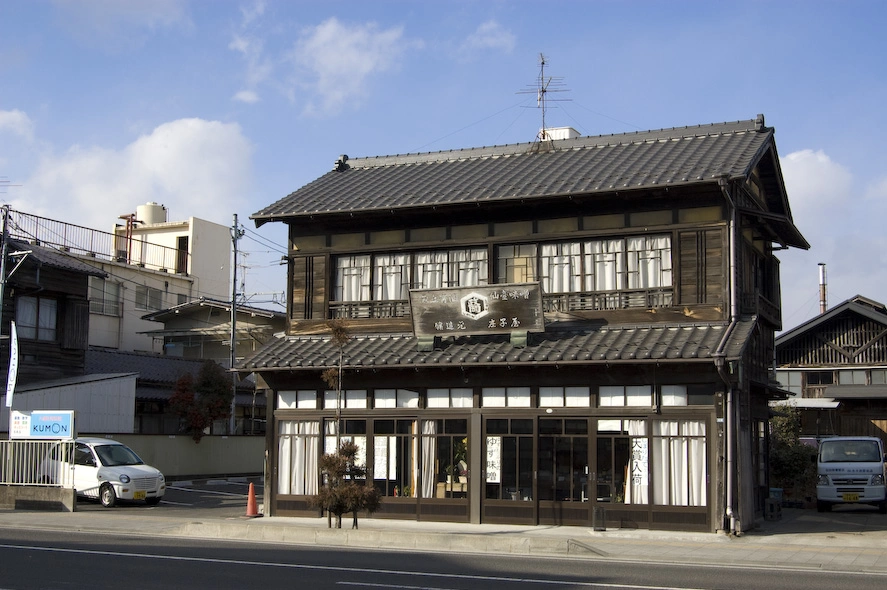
column 42, row 424
column 488, row 309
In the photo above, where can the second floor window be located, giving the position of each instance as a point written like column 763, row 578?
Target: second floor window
column 148, row 298
column 389, row 277
column 36, row 318
column 634, row 263
column 104, row 296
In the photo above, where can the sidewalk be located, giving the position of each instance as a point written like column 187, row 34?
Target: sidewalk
column 838, row 541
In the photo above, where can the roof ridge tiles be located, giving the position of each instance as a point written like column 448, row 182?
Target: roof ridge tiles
column 579, row 143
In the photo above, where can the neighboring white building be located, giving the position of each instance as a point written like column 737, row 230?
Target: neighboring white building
column 152, row 264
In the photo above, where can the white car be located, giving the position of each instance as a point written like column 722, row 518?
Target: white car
column 107, row 470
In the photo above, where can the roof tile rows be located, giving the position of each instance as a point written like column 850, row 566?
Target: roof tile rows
column 584, row 346
column 583, row 165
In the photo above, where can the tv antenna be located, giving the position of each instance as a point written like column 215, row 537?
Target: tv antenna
column 545, row 85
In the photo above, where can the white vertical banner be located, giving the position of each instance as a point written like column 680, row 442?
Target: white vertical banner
column 13, row 364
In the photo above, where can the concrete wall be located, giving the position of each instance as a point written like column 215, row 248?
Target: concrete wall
column 37, row 498
column 179, row 457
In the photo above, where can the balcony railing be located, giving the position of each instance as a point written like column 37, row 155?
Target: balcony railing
column 84, row 241
column 564, row 302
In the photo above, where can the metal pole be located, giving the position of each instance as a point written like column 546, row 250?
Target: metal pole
column 236, row 234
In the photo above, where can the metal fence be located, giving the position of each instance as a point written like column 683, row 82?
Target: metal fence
column 37, row 463
column 91, row 243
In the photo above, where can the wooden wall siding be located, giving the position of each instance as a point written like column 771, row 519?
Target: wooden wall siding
column 702, row 266
column 74, row 325
column 309, row 288
column 863, row 426
column 846, row 340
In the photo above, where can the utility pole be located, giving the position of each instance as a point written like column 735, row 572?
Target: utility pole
column 236, row 234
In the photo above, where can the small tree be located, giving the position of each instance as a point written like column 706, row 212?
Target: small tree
column 333, row 376
column 791, row 464
column 199, row 402
column 345, row 487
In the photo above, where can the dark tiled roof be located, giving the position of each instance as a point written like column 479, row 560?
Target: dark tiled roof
column 859, row 305
column 654, row 342
column 55, row 258
column 198, row 304
column 668, row 157
column 152, row 368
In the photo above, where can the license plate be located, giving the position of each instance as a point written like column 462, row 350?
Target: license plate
column 850, row 497
column 141, row 495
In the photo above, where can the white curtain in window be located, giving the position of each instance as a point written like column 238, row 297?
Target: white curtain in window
column 469, row 267
column 649, row 262
column 26, row 317
column 679, row 474
column 561, row 264
column 696, row 463
column 431, row 270
column 674, row 395
column 604, row 265
column 429, row 456
column 392, row 277
column 636, row 481
column 353, row 278
column 297, row 457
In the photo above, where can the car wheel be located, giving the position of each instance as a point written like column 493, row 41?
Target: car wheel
column 153, row 501
column 107, row 495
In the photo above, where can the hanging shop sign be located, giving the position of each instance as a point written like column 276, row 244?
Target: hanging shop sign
column 489, row 309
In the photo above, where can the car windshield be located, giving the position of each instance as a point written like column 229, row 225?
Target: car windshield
column 853, row 451
column 114, row 455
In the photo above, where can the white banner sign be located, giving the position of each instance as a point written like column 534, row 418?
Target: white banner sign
column 13, row 364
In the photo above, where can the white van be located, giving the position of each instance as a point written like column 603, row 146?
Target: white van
column 104, row 469
column 851, row 470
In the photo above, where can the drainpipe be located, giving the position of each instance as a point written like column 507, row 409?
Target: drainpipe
column 720, row 361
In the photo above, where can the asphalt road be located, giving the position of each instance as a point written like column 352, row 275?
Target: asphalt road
column 43, row 560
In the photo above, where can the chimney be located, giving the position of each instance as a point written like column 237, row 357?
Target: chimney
column 823, row 303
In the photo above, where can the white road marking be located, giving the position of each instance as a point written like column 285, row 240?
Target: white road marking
column 349, row 570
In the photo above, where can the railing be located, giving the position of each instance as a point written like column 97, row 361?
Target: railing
column 757, row 304
column 37, row 463
column 84, row 241
column 562, row 302
column 608, row 300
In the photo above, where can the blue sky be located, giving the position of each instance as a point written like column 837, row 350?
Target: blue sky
column 215, row 107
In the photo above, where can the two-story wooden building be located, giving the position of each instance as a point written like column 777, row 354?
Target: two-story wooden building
column 570, row 331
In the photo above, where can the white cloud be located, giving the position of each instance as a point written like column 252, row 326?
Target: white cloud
column 339, row 60
column 252, row 11
column 815, row 184
column 877, row 190
column 17, row 123
column 489, row 35
column 195, row 167
column 247, row 96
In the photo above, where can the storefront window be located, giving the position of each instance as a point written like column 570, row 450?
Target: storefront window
column 444, row 459
column 563, row 460
column 395, row 458
column 509, row 459
column 298, row 450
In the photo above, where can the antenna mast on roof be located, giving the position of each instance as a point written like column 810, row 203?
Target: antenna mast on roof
column 544, row 85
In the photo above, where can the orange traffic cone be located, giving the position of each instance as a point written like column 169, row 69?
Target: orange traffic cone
column 252, row 510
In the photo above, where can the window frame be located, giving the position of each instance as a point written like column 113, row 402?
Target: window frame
column 40, row 329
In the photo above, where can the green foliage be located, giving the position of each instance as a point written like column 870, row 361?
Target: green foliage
column 199, row 402
column 791, row 461
column 345, row 488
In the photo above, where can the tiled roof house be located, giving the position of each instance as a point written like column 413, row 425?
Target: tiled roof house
column 539, row 333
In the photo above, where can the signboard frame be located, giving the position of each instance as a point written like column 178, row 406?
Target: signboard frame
column 479, row 310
